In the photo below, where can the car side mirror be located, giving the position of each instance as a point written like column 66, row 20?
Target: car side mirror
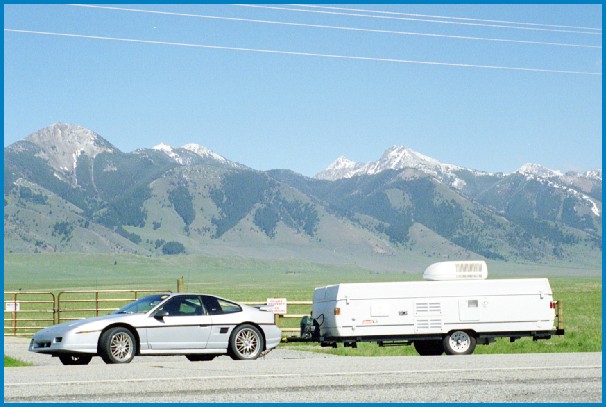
column 160, row 314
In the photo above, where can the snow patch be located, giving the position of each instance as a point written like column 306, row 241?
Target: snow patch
column 394, row 158
column 203, row 151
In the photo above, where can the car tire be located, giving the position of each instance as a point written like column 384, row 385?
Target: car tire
column 459, row 343
column 429, row 348
column 75, row 359
column 117, row 345
column 246, row 343
column 199, row 358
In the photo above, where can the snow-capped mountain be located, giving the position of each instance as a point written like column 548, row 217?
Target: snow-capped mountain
column 203, row 152
column 394, row 158
column 594, row 174
column 539, row 171
column 62, row 144
column 342, row 167
column 191, row 154
column 572, row 183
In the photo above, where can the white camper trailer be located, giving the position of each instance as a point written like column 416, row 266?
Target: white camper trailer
column 457, row 308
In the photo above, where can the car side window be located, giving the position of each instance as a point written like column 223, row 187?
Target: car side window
column 184, row 305
column 218, row 306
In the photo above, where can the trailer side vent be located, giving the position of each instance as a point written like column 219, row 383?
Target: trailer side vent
column 424, row 308
column 456, row 270
column 429, row 324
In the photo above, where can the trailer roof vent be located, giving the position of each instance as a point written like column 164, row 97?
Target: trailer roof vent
column 456, row 270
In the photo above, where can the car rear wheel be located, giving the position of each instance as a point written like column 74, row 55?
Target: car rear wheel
column 459, row 343
column 199, row 358
column 429, row 348
column 117, row 345
column 246, row 343
column 74, row 359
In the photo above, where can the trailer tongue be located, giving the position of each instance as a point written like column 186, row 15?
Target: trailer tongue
column 451, row 312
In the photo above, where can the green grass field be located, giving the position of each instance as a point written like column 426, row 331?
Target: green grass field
column 10, row 362
column 243, row 279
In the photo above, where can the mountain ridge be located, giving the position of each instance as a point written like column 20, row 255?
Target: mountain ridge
column 169, row 200
column 400, row 157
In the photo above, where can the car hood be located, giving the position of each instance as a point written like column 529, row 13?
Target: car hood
column 95, row 323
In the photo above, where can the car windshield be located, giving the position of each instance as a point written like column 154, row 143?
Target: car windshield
column 142, row 305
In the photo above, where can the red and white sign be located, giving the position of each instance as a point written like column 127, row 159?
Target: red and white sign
column 12, row 306
column 279, row 305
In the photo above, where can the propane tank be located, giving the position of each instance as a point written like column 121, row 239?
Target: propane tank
column 309, row 328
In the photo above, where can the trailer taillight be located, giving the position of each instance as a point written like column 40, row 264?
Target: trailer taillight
column 553, row 304
column 337, row 311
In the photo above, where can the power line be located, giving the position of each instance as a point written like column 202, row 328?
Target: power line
column 297, row 53
column 446, row 17
column 459, row 37
column 415, row 19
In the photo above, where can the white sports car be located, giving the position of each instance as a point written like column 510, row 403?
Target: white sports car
column 198, row 326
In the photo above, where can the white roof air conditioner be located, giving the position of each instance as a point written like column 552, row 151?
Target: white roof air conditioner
column 456, row 270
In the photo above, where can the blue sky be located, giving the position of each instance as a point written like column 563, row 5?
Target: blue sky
column 300, row 112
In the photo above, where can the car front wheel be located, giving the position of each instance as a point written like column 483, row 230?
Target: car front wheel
column 246, row 343
column 117, row 345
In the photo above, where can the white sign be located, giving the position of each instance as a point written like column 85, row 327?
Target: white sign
column 279, row 305
column 13, row 307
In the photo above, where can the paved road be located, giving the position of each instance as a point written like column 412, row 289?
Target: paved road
column 295, row 376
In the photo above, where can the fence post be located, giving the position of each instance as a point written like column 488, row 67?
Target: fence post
column 14, row 314
column 180, row 285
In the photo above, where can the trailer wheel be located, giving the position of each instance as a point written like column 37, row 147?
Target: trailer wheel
column 429, row 348
column 459, row 343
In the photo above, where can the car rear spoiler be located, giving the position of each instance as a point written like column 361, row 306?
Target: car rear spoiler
column 267, row 308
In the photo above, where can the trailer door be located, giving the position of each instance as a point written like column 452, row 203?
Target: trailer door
column 470, row 309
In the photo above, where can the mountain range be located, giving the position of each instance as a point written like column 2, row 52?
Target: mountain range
column 67, row 189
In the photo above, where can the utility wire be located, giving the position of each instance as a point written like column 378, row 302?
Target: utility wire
column 459, row 37
column 445, row 17
column 415, row 19
column 296, row 53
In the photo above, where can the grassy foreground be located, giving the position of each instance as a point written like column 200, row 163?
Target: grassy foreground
column 10, row 362
column 256, row 280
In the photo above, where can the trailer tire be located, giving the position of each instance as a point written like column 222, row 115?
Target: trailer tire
column 459, row 343
column 429, row 347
